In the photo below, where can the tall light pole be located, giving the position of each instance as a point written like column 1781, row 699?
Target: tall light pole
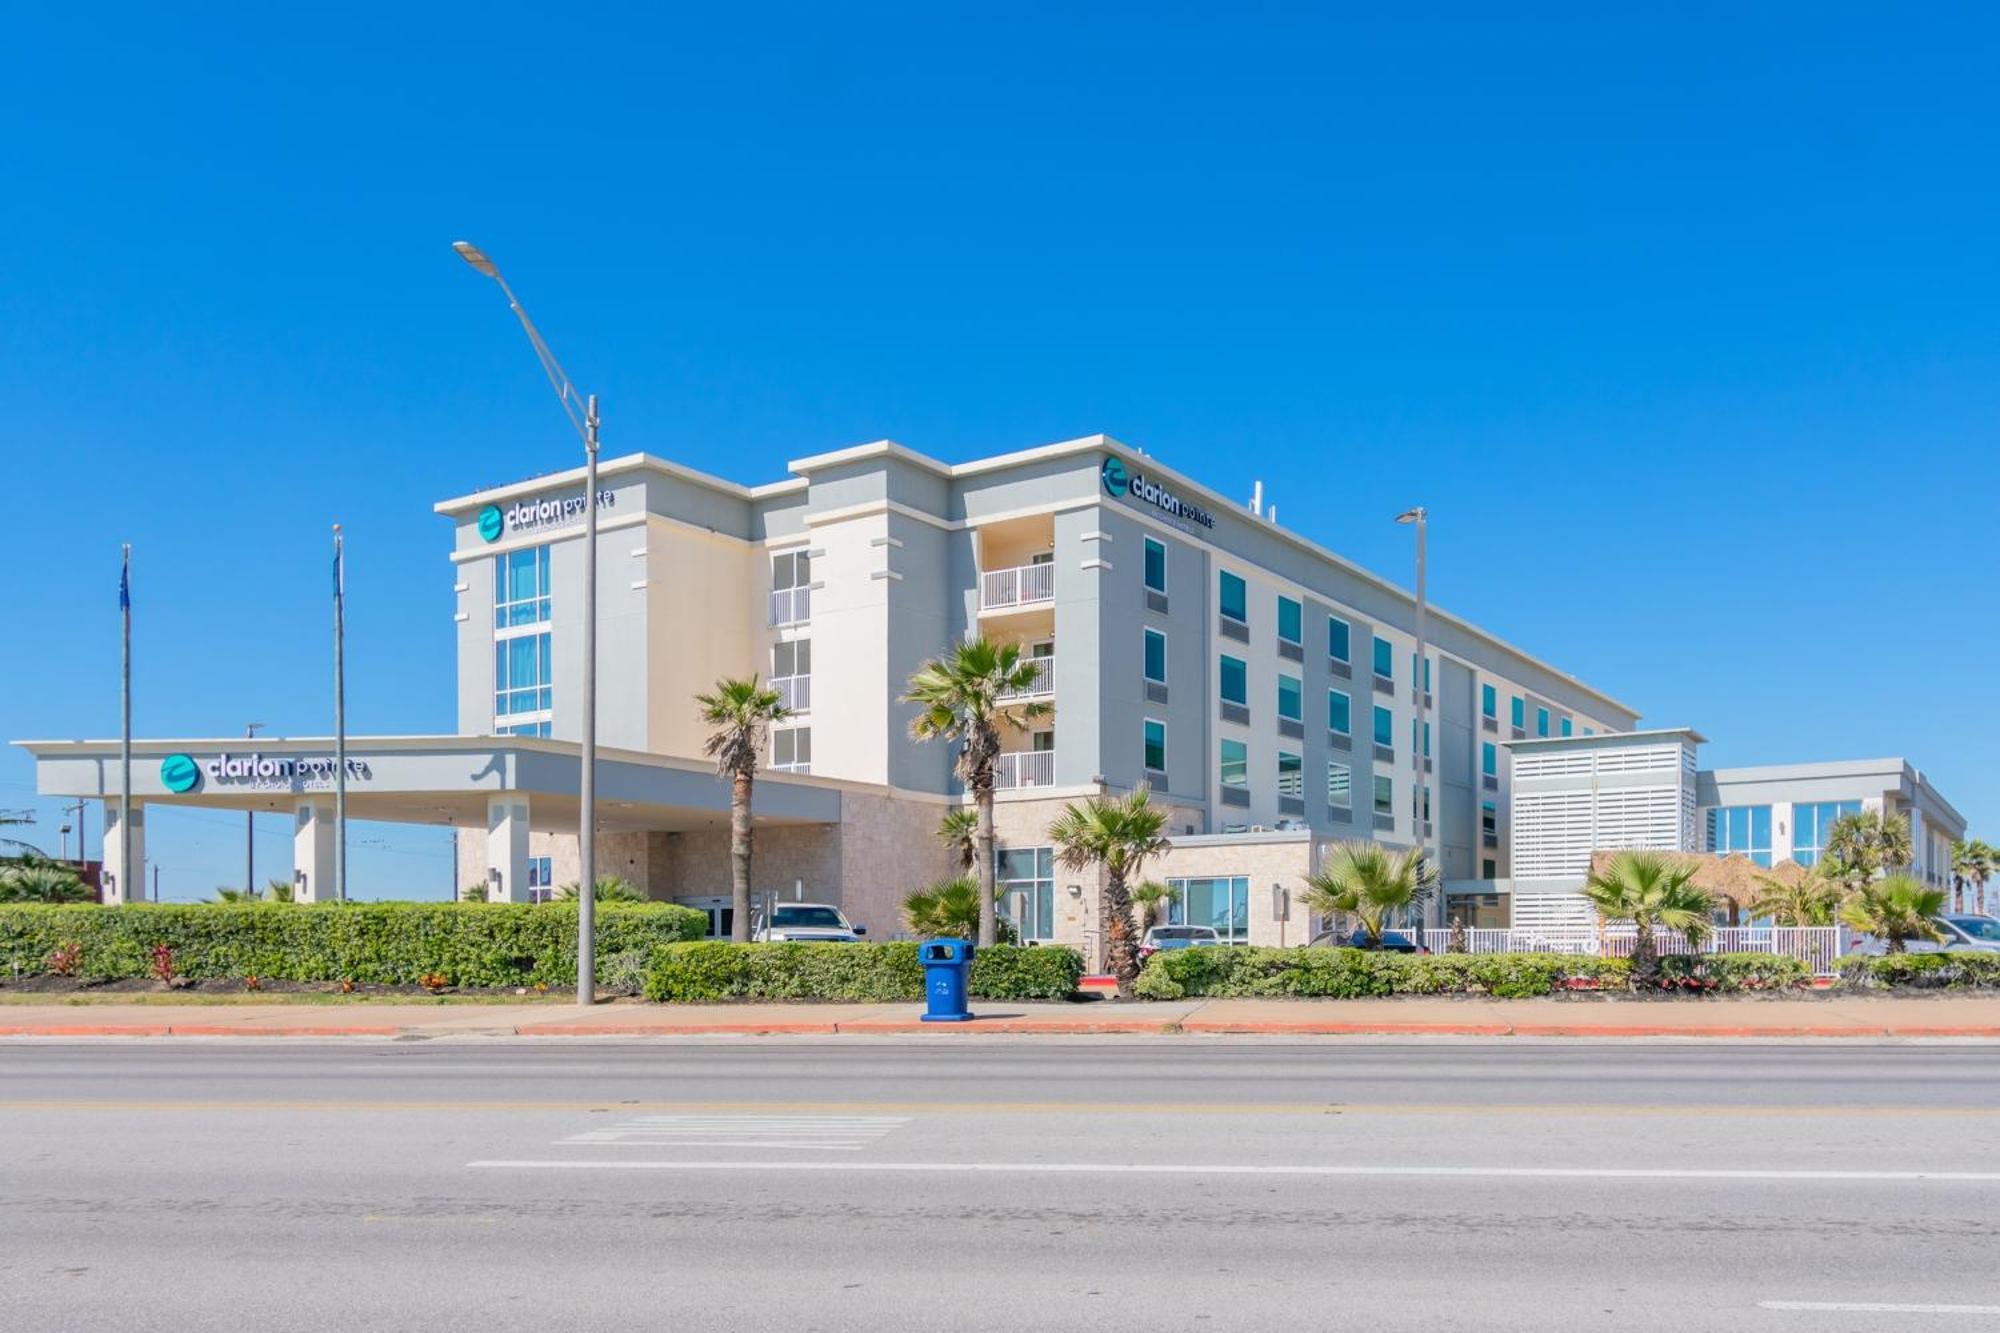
column 1420, row 794
column 586, row 426
column 250, row 830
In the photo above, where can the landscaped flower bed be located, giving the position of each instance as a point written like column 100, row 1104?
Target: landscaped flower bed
column 715, row 971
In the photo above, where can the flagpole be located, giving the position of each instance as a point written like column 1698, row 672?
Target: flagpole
column 126, row 892
column 339, row 719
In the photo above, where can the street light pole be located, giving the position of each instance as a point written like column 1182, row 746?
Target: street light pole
column 585, row 423
column 1421, row 518
column 250, row 830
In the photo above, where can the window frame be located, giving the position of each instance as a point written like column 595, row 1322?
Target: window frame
column 1222, row 680
column 1151, row 545
column 1223, row 579
column 1346, row 706
column 1145, row 653
column 1297, row 638
column 1146, row 727
column 1346, row 653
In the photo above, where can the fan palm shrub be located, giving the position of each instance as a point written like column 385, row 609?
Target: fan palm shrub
column 959, row 831
column 610, row 889
column 949, row 909
column 1866, row 845
column 1651, row 891
column 1812, row 900
column 964, row 696
column 1897, row 909
column 1372, row 884
column 741, row 712
column 1116, row 835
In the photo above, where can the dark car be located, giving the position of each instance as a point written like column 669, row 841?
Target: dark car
column 1393, row 941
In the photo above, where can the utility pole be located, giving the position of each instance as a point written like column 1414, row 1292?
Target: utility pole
column 339, row 718
column 1421, row 518
column 249, row 834
column 128, row 891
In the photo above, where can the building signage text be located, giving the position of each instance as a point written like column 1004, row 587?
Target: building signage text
column 1143, row 490
column 181, row 773
column 526, row 515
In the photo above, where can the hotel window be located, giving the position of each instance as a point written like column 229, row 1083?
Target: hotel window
column 1339, row 785
column 1565, row 727
column 791, row 588
column 1427, row 671
column 1156, row 565
column 541, row 872
column 521, row 588
column 1421, row 797
column 1025, row 878
column 1810, row 825
column 1385, row 659
column 791, row 673
column 1156, row 656
column 1385, row 726
column 1339, row 713
column 1221, row 902
column 1235, row 764
column 1156, row 745
column 1518, row 712
column 1235, row 597
column 522, row 696
column 1291, row 699
column 1385, row 795
column 1741, row 830
column 1489, row 759
column 1338, row 639
column 1489, row 702
column 1234, row 681
column 1590, row 731
column 1291, row 621
column 1291, row 775
column 792, row 749
column 1489, row 819
column 1541, row 721
column 1489, row 869
column 1427, row 737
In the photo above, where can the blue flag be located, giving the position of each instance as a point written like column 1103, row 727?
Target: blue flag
column 125, row 585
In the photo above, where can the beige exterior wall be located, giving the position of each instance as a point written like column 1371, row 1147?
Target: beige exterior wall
column 704, row 599
column 1282, row 860
column 850, row 634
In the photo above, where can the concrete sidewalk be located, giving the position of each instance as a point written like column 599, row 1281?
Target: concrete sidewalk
column 1923, row 1016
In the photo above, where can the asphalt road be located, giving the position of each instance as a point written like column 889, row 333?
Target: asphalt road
column 968, row 1183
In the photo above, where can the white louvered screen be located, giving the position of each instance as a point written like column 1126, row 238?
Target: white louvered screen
column 1552, row 911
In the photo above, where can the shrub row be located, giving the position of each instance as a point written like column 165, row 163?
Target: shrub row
column 469, row 944
column 1353, row 974
column 716, row 970
column 1935, row 971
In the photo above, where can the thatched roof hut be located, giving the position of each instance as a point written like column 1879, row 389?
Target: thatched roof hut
column 1733, row 879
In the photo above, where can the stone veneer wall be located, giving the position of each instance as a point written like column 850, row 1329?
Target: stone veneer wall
column 1284, row 859
column 888, row 849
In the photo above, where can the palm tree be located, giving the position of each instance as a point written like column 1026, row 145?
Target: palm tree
column 1118, row 834
column 963, row 697
column 41, row 882
column 1650, row 890
column 610, row 889
column 1150, row 898
column 1898, row 909
column 1972, row 864
column 1810, row 900
column 278, row 890
column 959, row 830
column 741, row 711
column 1370, row 883
column 949, row 909
column 1866, row 845
column 237, row 896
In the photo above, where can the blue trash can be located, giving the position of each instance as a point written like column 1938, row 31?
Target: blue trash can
column 947, row 963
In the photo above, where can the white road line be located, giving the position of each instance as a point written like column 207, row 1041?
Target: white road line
column 833, row 1133
column 1187, row 1169
column 1874, row 1307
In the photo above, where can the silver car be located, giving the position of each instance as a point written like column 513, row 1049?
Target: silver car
column 1961, row 931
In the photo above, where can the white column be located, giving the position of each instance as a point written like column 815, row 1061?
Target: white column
column 120, row 888
column 312, row 851
column 507, row 849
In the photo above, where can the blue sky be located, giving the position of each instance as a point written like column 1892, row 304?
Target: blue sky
column 1686, row 328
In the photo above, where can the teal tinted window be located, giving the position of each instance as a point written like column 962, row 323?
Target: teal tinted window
column 1235, row 768
column 1810, row 825
column 1235, row 597
column 1156, row 656
column 1223, row 904
column 1291, row 620
column 1741, row 830
column 1156, row 745
column 1489, row 759
column 1427, row 671
column 1489, row 702
column 1489, row 819
column 1565, row 728
column 1235, row 680
column 1385, row 726
column 1291, row 775
column 1520, row 713
column 1337, row 639
column 1427, row 737
column 1385, row 795
column 1291, row 699
column 1541, row 721
column 1156, row 565
column 1339, row 712
column 1385, row 659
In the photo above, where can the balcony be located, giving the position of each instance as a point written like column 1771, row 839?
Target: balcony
column 1023, row 585
column 1025, row 768
column 791, row 606
column 1044, row 683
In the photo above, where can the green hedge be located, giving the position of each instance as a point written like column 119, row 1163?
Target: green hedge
column 1353, row 974
column 1936, row 971
column 716, row 970
column 469, row 944
column 1734, row 973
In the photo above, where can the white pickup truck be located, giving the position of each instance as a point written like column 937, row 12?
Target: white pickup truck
column 806, row 923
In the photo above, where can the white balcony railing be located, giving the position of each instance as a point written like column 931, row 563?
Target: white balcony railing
column 794, row 692
column 1043, row 683
column 1025, row 768
column 791, row 606
column 1023, row 585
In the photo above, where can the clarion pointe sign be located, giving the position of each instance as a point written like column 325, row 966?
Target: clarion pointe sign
column 494, row 522
column 180, row 773
column 1140, row 489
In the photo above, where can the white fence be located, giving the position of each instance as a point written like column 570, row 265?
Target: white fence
column 1819, row 947
column 1022, row 585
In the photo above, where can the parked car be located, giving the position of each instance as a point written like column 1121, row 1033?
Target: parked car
column 1160, row 938
column 1395, row 941
column 1979, row 934
column 807, row 923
